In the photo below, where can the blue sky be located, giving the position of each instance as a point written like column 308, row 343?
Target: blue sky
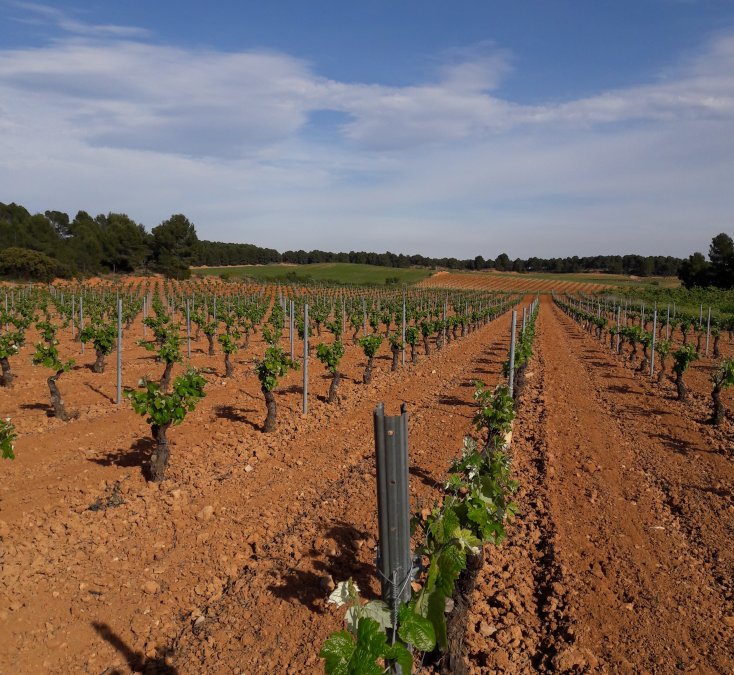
column 468, row 128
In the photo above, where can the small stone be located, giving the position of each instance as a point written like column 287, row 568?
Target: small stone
column 729, row 621
column 370, row 543
column 151, row 587
column 248, row 468
column 200, row 620
column 202, row 538
column 357, row 544
column 15, row 606
column 207, row 513
column 629, row 606
column 326, row 583
column 449, row 606
column 487, row 630
column 176, row 494
column 331, row 552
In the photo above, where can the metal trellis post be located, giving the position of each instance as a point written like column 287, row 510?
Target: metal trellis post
column 394, row 559
column 511, row 380
column 119, row 352
column 305, row 359
column 652, row 347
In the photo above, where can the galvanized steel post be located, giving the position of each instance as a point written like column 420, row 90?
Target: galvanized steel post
column 652, row 347
column 81, row 319
column 708, row 332
column 511, row 380
column 119, row 351
column 394, row 559
column 403, row 334
column 305, row 359
column 188, row 327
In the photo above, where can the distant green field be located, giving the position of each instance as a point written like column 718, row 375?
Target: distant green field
column 344, row 273
column 611, row 279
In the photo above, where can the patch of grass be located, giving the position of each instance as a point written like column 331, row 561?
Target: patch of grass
column 342, row 273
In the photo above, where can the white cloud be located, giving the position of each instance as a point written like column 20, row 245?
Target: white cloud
column 444, row 167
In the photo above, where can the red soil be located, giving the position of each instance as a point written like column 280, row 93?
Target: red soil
column 586, row 581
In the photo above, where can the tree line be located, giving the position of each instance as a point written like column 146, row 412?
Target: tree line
column 717, row 271
column 52, row 244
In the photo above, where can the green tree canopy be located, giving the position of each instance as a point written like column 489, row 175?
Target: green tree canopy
column 175, row 246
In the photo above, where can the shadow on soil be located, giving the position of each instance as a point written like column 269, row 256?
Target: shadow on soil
column 100, row 392
column 452, row 400
column 133, row 658
column 425, row 477
column 304, row 587
column 43, row 407
column 228, row 412
column 139, row 453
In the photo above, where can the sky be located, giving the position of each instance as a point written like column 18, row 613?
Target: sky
column 466, row 128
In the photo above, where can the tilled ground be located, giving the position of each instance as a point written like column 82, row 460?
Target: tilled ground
column 89, row 590
column 620, row 560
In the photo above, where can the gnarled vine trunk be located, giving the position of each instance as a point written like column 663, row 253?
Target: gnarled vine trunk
column 719, row 409
column 166, row 378
column 367, row 374
column 271, row 418
column 453, row 331
column 246, row 343
column 198, row 334
column 438, row 341
column 334, row 387
column 228, row 367
column 717, row 353
column 413, row 354
column 7, row 373
column 99, row 363
column 520, row 380
column 162, row 452
column 698, row 343
column 661, row 372
column 355, row 339
column 56, row 401
column 426, row 345
column 682, row 389
column 211, row 344
column 395, row 357
column 454, row 659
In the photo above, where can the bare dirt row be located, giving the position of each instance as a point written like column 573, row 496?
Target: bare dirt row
column 245, row 533
column 621, row 560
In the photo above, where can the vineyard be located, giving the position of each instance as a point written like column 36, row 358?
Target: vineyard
column 506, row 282
column 191, row 476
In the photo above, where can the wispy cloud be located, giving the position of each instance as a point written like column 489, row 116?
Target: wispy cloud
column 95, row 121
column 38, row 14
